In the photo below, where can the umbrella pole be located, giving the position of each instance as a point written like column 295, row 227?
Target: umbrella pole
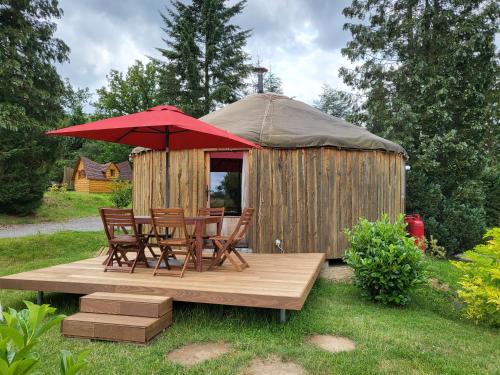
column 167, row 174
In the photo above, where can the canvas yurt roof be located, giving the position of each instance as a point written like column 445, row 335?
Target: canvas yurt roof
column 277, row 121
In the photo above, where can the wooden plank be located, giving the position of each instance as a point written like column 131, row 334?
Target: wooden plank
column 114, row 327
column 126, row 304
column 272, row 281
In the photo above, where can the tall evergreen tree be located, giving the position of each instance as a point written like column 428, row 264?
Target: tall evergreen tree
column 31, row 94
column 205, row 53
column 428, row 68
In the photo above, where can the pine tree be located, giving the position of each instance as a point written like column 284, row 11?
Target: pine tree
column 205, row 53
column 428, row 68
column 31, row 94
column 273, row 83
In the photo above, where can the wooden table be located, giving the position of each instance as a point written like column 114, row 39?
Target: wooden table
column 199, row 222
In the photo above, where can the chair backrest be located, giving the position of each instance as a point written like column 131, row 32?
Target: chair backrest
column 212, row 211
column 121, row 218
column 169, row 219
column 243, row 225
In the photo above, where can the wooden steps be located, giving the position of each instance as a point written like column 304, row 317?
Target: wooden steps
column 119, row 317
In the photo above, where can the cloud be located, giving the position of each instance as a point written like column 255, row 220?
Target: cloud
column 300, row 40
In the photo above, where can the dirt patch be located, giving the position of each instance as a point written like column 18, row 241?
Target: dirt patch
column 438, row 285
column 338, row 273
column 333, row 344
column 192, row 354
column 273, row 366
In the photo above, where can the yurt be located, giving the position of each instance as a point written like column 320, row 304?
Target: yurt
column 314, row 176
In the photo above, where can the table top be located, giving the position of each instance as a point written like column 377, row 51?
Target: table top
column 188, row 219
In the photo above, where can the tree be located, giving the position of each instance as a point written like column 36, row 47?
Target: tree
column 273, row 83
column 339, row 104
column 31, row 94
column 142, row 87
column 205, row 53
column 428, row 69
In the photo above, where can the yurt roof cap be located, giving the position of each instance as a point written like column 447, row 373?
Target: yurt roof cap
column 277, row 121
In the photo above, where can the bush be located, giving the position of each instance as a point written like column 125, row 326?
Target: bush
column 480, row 283
column 386, row 262
column 58, row 188
column 433, row 249
column 121, row 194
column 21, row 331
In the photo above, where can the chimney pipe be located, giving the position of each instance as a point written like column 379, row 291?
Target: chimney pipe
column 260, row 78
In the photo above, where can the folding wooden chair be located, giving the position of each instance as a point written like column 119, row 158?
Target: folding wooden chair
column 114, row 221
column 171, row 220
column 225, row 246
column 212, row 211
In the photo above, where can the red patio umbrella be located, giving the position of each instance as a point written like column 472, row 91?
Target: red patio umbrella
column 162, row 127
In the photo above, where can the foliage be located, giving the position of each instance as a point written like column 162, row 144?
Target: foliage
column 121, row 194
column 30, row 100
column 58, row 188
column 480, row 281
column 491, row 185
column 273, row 83
column 103, row 152
column 430, row 75
column 21, row 331
column 205, row 53
column 433, row 249
column 135, row 91
column 387, row 264
column 71, row 365
column 339, row 104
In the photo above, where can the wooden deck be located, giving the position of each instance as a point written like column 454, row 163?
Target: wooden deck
column 277, row 281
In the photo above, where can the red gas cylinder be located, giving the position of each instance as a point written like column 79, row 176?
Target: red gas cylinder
column 415, row 227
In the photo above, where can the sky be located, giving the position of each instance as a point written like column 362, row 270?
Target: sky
column 299, row 40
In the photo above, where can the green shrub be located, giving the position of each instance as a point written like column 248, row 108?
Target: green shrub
column 58, row 188
column 121, row 194
column 433, row 249
column 480, row 283
column 21, row 331
column 386, row 262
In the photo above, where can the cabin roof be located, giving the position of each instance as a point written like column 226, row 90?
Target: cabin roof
column 97, row 171
column 277, row 121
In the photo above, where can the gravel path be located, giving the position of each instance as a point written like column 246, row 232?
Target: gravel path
column 85, row 224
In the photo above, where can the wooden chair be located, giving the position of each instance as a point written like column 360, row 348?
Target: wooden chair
column 211, row 211
column 114, row 221
column 171, row 222
column 225, row 246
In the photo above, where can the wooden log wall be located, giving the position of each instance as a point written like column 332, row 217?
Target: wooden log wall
column 305, row 197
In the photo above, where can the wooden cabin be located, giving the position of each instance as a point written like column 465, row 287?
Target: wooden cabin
column 92, row 177
column 314, row 176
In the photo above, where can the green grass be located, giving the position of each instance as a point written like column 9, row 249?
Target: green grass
column 427, row 337
column 62, row 206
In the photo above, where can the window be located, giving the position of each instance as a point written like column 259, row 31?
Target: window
column 81, row 174
column 225, row 181
column 112, row 172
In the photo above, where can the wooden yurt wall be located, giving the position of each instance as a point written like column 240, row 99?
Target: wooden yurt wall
column 305, row 197
column 187, row 180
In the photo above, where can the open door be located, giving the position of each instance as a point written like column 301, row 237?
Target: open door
column 227, row 182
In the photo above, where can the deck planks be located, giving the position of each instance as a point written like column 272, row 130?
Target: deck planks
column 279, row 281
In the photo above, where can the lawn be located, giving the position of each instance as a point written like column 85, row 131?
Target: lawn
column 62, row 206
column 427, row 337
